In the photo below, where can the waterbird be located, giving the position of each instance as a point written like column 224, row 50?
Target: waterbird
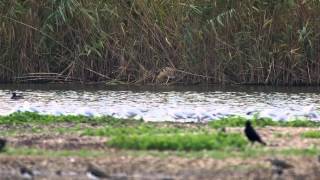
column 131, row 113
column 203, row 115
column 3, row 143
column 94, row 172
column 59, row 173
column 279, row 165
column 15, row 96
column 177, row 115
column 252, row 135
column 25, row 172
column 251, row 111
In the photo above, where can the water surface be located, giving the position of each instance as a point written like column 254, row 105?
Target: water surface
column 180, row 103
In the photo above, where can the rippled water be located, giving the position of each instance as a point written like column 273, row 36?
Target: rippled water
column 154, row 103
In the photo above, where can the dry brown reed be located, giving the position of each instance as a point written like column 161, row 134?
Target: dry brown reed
column 135, row 41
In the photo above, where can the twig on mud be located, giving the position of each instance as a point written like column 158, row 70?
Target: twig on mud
column 99, row 74
column 192, row 74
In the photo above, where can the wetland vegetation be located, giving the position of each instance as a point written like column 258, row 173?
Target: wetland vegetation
column 159, row 41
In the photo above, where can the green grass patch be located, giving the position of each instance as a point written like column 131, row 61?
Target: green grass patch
column 236, row 121
column 159, row 139
column 31, row 117
column 311, row 134
column 187, row 141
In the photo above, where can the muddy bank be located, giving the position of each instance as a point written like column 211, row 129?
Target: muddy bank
column 126, row 167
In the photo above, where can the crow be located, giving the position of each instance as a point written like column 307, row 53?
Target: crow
column 252, row 135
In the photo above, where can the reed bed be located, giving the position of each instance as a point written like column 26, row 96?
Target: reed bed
column 144, row 41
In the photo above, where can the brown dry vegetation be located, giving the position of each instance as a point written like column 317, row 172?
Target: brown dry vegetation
column 215, row 41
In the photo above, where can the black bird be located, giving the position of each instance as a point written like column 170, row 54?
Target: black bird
column 94, row 172
column 3, row 143
column 15, row 96
column 252, row 135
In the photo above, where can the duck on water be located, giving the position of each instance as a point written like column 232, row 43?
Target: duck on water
column 15, row 96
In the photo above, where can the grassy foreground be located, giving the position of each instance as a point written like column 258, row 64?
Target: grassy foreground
column 67, row 144
column 142, row 41
column 139, row 135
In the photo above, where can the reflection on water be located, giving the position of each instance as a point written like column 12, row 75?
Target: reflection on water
column 155, row 103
